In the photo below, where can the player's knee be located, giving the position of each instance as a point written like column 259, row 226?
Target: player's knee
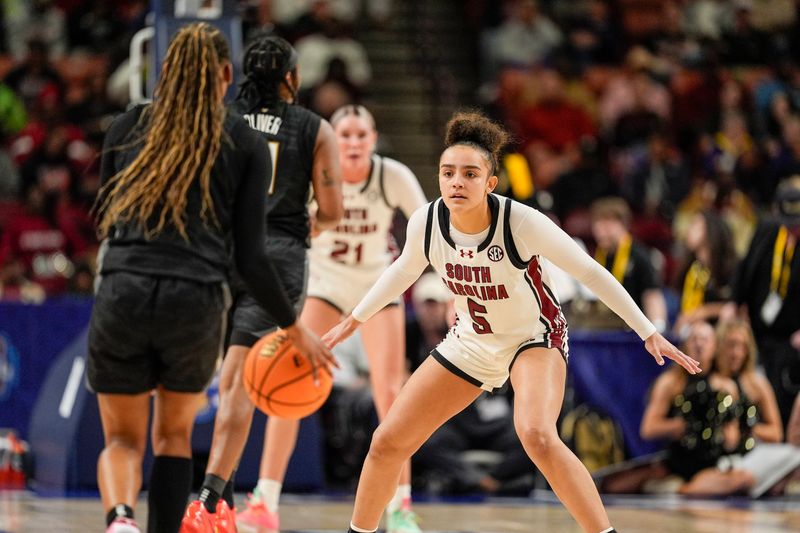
column 538, row 440
column 386, row 446
column 129, row 442
column 235, row 407
column 174, row 442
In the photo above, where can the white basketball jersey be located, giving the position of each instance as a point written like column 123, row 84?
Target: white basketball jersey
column 500, row 299
column 361, row 239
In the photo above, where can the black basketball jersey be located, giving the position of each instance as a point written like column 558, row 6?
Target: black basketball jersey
column 206, row 255
column 290, row 135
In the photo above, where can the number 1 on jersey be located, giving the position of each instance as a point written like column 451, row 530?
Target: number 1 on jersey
column 479, row 322
column 273, row 154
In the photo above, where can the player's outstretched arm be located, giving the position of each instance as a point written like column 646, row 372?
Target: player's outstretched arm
column 659, row 348
column 537, row 234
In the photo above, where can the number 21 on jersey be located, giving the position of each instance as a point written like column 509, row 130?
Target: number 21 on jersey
column 273, row 146
column 341, row 252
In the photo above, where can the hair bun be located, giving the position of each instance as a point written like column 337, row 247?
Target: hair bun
column 475, row 128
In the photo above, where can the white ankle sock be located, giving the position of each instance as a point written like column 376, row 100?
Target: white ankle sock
column 402, row 495
column 269, row 491
column 359, row 530
column 609, row 530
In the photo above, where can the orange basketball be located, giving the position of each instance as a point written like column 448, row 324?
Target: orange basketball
column 279, row 380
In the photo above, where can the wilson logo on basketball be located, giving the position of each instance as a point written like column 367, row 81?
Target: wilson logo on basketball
column 466, row 253
column 495, row 253
column 269, row 349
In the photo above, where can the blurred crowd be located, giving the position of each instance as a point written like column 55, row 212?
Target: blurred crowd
column 65, row 74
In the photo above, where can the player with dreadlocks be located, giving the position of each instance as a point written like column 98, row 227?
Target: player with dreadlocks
column 183, row 181
column 304, row 151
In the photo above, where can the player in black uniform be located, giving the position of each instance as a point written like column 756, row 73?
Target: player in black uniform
column 183, row 182
column 304, row 149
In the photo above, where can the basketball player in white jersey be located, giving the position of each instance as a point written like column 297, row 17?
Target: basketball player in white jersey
column 344, row 263
column 488, row 252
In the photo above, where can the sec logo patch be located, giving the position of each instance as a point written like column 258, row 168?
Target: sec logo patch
column 495, row 253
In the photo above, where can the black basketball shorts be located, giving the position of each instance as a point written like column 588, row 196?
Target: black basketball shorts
column 147, row 331
column 250, row 321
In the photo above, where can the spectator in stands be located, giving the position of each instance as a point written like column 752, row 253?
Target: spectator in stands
column 44, row 239
column 785, row 161
column 628, row 261
column 767, row 289
column 742, row 43
column 50, row 166
column 554, row 129
column 15, row 287
column 315, row 52
column 525, row 38
column 734, row 99
column 580, row 185
column 97, row 26
column 35, row 77
column 705, row 19
column 770, row 126
column 12, row 120
column 89, row 105
column 633, row 89
column 733, row 151
column 636, row 124
column 704, row 281
column 657, row 178
column 718, row 194
column 593, row 36
column 333, row 92
column 302, row 23
column 48, row 23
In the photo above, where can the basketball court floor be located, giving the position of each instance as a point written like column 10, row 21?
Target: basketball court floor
column 25, row 512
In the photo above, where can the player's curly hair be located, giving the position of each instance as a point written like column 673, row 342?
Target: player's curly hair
column 266, row 61
column 474, row 129
column 182, row 134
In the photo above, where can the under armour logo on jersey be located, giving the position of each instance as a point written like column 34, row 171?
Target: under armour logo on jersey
column 467, row 253
column 495, row 253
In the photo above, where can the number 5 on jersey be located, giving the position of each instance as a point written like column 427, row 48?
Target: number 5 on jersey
column 479, row 322
column 273, row 146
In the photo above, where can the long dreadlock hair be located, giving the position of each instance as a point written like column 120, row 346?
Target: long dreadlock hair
column 182, row 132
column 266, row 62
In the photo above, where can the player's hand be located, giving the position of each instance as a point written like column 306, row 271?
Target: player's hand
column 659, row 348
column 312, row 347
column 340, row 331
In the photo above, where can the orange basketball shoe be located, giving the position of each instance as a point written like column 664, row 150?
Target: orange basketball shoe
column 198, row 520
